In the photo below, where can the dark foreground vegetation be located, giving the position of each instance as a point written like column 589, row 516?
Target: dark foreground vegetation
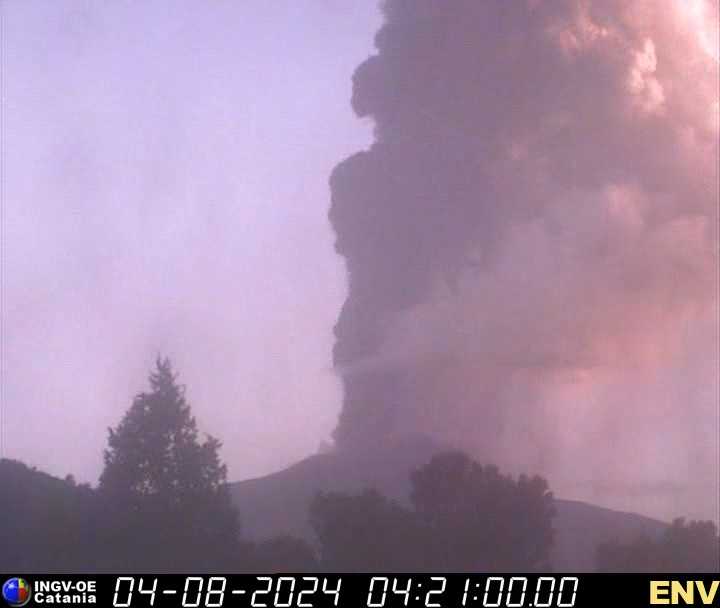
column 163, row 505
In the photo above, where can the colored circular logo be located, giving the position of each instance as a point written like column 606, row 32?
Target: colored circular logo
column 16, row 592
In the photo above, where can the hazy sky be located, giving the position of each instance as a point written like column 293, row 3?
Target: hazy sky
column 165, row 191
column 530, row 230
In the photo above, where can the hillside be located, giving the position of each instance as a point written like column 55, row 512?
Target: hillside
column 278, row 503
column 47, row 519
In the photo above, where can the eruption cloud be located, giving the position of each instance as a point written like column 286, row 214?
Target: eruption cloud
column 531, row 243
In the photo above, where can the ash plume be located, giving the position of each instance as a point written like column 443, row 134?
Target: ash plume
column 531, row 243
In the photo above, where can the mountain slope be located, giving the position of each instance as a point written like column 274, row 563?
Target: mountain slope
column 278, row 503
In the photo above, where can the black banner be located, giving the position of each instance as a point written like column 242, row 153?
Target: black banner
column 362, row 590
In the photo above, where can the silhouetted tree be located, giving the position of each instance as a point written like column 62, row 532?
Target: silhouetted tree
column 464, row 517
column 165, row 488
column 366, row 533
column 684, row 547
column 480, row 520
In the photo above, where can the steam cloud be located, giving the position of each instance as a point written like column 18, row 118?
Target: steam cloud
column 531, row 243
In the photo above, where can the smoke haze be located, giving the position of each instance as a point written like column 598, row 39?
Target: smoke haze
column 532, row 243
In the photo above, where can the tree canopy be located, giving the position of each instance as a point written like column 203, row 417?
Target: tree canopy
column 480, row 519
column 462, row 517
column 165, row 485
column 366, row 533
column 684, row 547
